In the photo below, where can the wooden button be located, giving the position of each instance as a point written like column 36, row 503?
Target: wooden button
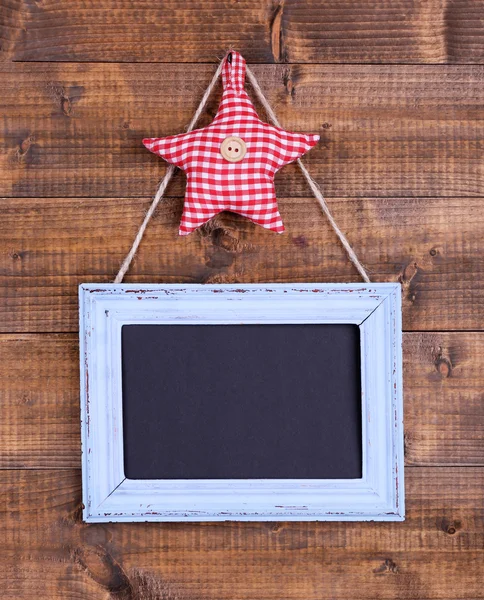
column 233, row 149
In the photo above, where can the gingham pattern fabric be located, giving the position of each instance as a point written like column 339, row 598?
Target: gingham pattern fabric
column 213, row 183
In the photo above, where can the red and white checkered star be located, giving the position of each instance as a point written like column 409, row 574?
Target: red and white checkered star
column 217, row 179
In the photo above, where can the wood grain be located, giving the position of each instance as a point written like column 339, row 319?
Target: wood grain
column 444, row 412
column 47, row 552
column 389, row 131
column 418, row 31
column 432, row 246
column 401, row 159
column 39, row 400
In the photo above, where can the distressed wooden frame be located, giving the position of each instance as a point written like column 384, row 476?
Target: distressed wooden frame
column 109, row 496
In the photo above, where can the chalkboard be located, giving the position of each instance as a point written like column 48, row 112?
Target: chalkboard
column 241, row 401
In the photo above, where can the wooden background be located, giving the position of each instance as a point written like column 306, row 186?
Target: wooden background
column 395, row 88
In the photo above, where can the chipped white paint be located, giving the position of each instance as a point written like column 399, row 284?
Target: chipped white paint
column 109, row 496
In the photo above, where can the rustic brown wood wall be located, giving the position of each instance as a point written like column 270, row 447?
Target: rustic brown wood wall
column 395, row 87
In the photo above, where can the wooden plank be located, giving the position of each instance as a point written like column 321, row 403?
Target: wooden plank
column 431, row 245
column 39, row 398
column 389, row 131
column 444, row 412
column 346, row 31
column 47, row 552
column 418, row 31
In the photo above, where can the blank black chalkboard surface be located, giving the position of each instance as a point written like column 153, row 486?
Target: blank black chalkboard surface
column 242, row 401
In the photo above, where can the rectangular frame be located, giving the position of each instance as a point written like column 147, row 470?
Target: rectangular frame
column 109, row 496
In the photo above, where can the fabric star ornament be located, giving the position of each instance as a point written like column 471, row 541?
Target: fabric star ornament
column 231, row 163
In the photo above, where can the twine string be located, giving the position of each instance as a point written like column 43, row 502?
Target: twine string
column 317, row 192
column 164, row 182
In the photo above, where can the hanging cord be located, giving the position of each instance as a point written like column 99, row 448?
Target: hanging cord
column 164, row 182
column 318, row 194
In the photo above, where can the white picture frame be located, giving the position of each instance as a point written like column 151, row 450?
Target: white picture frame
column 108, row 496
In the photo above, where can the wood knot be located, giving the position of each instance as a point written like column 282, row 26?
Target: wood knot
column 442, row 363
column 221, row 254
column 65, row 98
column 300, row 241
column 102, row 568
column 387, row 567
column 406, row 278
column 95, row 535
column 24, row 147
column 450, row 527
column 26, row 399
column 74, row 516
column 444, row 367
column 224, row 239
column 66, row 105
column 288, row 81
column 408, row 273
